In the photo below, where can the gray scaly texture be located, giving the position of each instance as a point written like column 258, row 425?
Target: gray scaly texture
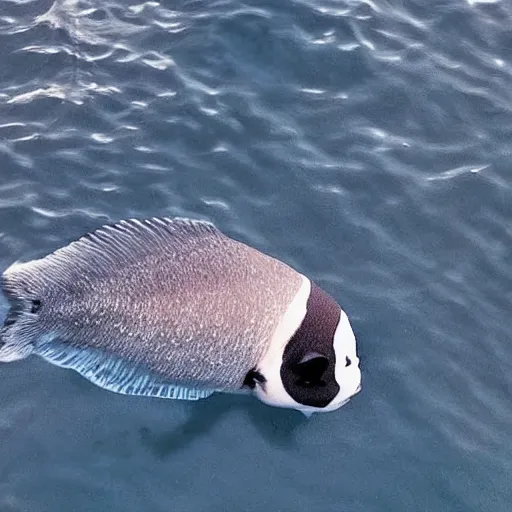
column 175, row 296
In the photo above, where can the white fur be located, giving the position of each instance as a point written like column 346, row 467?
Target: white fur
column 347, row 377
column 272, row 392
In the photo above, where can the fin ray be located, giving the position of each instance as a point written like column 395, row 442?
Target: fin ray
column 114, row 374
column 111, row 245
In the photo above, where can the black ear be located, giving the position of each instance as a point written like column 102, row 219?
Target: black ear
column 252, row 377
column 310, row 369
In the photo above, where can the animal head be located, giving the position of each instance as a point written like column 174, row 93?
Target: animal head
column 312, row 362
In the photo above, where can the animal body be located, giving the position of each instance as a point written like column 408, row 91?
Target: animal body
column 173, row 308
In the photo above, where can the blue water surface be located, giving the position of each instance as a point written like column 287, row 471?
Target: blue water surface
column 368, row 143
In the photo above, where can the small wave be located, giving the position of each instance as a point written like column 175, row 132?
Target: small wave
column 458, row 171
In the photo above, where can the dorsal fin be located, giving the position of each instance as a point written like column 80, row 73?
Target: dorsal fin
column 110, row 246
column 132, row 238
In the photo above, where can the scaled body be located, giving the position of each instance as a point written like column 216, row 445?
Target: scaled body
column 161, row 307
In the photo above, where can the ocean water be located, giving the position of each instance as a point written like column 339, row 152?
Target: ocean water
column 368, row 143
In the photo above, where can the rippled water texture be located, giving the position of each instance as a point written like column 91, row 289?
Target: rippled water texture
column 367, row 143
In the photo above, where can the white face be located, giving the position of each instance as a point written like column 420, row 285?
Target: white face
column 348, row 376
column 347, row 373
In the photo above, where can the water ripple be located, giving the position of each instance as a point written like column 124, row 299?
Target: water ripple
column 366, row 143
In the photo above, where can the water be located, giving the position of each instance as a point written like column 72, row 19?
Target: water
column 368, row 144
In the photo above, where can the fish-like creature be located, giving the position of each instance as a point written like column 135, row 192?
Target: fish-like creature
column 173, row 308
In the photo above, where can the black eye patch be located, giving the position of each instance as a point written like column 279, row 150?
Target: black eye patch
column 309, row 360
column 348, row 361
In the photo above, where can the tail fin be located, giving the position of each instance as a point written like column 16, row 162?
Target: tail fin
column 18, row 334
